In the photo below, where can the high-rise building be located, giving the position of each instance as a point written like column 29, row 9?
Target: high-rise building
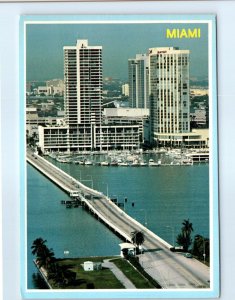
column 169, row 94
column 138, row 69
column 83, row 128
column 83, row 84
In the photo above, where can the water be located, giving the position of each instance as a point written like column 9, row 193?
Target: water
column 163, row 197
column 72, row 230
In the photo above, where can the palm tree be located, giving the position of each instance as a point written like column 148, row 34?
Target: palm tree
column 187, row 228
column 137, row 238
column 184, row 238
column 201, row 247
column 44, row 255
column 46, row 258
column 38, row 246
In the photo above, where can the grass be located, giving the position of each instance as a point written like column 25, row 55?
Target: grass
column 101, row 279
column 132, row 274
column 98, row 279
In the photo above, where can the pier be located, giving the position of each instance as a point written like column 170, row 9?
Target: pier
column 170, row 270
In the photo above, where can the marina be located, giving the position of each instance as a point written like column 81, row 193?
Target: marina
column 155, row 158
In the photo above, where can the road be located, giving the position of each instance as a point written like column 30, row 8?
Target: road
column 171, row 270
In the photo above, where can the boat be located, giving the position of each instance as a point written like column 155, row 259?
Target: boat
column 186, row 161
column 124, row 164
column 152, row 163
column 143, row 163
column 88, row 163
column 135, row 163
column 62, row 160
column 104, row 163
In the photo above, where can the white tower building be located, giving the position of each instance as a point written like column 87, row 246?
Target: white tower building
column 83, row 84
column 138, row 69
column 169, row 94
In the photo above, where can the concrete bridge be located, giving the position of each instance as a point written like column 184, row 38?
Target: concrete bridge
column 170, row 270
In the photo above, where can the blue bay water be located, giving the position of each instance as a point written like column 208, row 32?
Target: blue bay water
column 163, row 197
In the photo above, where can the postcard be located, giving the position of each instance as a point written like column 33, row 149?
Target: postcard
column 120, row 196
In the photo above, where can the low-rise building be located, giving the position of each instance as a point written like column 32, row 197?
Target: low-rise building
column 88, row 138
column 128, row 116
column 198, row 138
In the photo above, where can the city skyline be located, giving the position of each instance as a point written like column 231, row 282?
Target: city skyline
column 120, row 42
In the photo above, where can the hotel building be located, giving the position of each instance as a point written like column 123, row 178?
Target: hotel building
column 169, row 95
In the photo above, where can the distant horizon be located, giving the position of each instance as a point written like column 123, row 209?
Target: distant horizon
column 120, row 42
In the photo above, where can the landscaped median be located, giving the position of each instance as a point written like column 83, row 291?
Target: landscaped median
column 133, row 274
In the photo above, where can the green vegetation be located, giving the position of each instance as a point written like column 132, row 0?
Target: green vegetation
column 97, row 279
column 184, row 238
column 201, row 245
column 70, row 274
column 135, row 263
column 137, row 238
column 201, row 249
column 133, row 275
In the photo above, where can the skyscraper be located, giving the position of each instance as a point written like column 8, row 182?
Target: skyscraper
column 169, row 94
column 83, row 84
column 138, row 69
column 83, row 128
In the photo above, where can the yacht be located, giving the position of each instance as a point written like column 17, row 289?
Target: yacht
column 88, row 163
column 104, row 163
column 125, row 164
column 152, row 163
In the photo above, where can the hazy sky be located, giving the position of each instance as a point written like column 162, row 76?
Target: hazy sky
column 44, row 46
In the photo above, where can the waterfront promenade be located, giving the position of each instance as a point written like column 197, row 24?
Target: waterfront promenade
column 171, row 270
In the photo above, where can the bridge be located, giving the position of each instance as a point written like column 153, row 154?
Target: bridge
column 171, row 270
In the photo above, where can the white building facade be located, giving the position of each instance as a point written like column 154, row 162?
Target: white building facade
column 83, row 127
column 169, row 95
column 138, row 73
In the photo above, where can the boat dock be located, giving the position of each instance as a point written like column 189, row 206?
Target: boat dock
column 169, row 269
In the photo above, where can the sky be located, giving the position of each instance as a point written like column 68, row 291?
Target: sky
column 45, row 42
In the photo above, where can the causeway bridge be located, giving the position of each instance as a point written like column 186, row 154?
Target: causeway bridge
column 171, row 270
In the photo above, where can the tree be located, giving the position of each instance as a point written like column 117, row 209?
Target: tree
column 187, row 228
column 45, row 256
column 184, row 238
column 37, row 246
column 137, row 238
column 201, row 247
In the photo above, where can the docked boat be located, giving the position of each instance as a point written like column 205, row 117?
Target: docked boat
column 143, row 164
column 123, row 164
column 187, row 162
column 62, row 160
column 88, row 163
column 135, row 163
column 104, row 163
column 153, row 163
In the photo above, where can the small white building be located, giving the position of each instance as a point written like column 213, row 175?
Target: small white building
column 91, row 266
column 88, row 266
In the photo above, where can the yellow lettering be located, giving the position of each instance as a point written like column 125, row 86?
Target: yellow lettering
column 183, row 34
column 171, row 34
column 177, row 33
column 199, row 33
column 192, row 33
